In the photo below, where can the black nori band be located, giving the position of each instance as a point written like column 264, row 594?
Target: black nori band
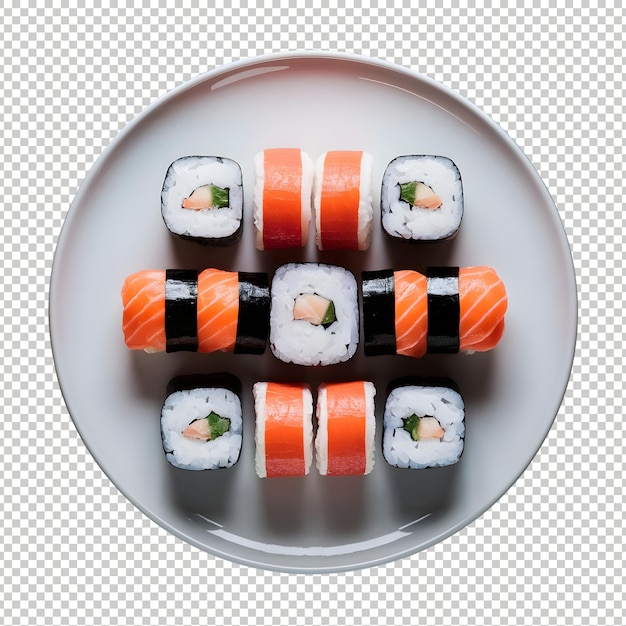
column 181, row 310
column 379, row 313
column 443, row 309
column 220, row 380
column 422, row 381
column 253, row 321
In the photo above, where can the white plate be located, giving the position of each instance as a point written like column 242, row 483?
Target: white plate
column 318, row 102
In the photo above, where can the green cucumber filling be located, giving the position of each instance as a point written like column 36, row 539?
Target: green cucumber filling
column 217, row 425
column 407, row 192
column 207, row 428
column 219, row 196
column 423, row 428
column 329, row 316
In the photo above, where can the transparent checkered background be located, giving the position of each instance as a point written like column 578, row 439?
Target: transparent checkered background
column 74, row 551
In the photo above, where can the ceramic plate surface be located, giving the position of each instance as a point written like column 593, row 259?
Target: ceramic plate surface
column 316, row 102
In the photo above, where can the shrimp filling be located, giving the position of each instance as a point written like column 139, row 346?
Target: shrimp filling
column 314, row 309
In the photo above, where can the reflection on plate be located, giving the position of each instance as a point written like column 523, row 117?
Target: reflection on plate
column 318, row 102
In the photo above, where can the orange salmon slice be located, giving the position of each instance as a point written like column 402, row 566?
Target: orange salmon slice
column 346, row 428
column 218, row 310
column 282, row 198
column 143, row 318
column 483, row 303
column 284, row 430
column 411, row 301
column 339, row 203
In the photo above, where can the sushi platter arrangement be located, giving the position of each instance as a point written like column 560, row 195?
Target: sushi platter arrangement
column 297, row 307
column 202, row 199
column 311, row 313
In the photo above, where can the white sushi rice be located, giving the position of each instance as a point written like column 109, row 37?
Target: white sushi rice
column 187, row 174
column 366, row 209
column 259, row 186
column 321, row 438
column 183, row 407
column 303, row 343
column 443, row 403
column 259, row 391
column 414, row 223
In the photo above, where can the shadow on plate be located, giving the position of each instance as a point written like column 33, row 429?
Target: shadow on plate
column 207, row 493
column 343, row 502
column 402, row 254
column 416, row 493
column 193, row 255
column 284, row 503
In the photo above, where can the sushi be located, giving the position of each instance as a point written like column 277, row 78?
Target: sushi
column 185, row 310
column 201, row 422
column 448, row 310
column 282, row 198
column 344, row 443
column 314, row 318
column 423, row 424
column 421, row 198
column 284, row 429
column 342, row 199
column 202, row 199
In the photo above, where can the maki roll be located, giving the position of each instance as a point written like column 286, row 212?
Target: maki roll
column 448, row 310
column 202, row 199
column 282, row 198
column 424, row 423
column 201, row 423
column 185, row 310
column 314, row 318
column 344, row 443
column 284, row 429
column 421, row 198
column 343, row 200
